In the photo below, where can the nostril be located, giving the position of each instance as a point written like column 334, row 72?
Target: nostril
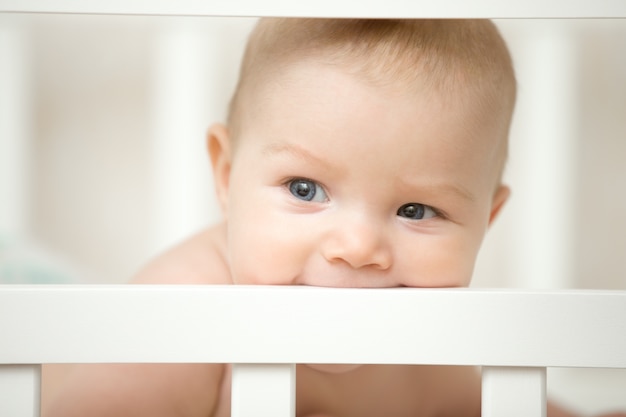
column 358, row 254
column 383, row 260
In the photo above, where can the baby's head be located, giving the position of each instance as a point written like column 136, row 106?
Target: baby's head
column 364, row 152
column 463, row 60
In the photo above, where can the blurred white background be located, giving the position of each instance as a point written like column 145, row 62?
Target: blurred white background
column 103, row 162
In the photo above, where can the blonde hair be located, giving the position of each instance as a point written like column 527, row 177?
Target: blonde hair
column 467, row 59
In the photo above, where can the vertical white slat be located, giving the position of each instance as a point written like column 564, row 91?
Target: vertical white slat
column 15, row 120
column 20, row 390
column 544, row 154
column 180, row 96
column 264, row 390
column 513, row 392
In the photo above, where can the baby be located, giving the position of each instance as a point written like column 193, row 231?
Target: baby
column 357, row 153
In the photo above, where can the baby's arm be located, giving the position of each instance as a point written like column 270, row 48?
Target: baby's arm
column 556, row 411
column 140, row 390
column 136, row 390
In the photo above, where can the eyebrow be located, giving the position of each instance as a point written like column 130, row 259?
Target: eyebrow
column 435, row 187
column 462, row 192
column 294, row 150
column 450, row 189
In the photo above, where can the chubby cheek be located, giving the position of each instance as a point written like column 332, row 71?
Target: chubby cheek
column 265, row 252
column 442, row 263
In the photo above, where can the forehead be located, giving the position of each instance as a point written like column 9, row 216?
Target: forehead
column 337, row 114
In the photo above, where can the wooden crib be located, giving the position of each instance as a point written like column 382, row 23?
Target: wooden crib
column 513, row 334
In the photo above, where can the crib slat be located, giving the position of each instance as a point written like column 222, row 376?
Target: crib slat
column 263, row 390
column 14, row 124
column 513, row 392
column 86, row 324
column 20, row 390
column 330, row 8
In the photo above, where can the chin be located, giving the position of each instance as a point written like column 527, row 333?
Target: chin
column 333, row 368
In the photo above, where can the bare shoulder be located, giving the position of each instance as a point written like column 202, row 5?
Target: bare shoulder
column 199, row 259
column 107, row 390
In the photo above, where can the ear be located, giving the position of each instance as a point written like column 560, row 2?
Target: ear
column 499, row 198
column 218, row 145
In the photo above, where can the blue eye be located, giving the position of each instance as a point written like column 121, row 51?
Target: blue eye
column 307, row 190
column 416, row 211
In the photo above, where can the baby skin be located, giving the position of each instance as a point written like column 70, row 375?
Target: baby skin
column 330, row 173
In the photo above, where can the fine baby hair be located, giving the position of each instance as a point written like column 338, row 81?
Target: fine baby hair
column 466, row 58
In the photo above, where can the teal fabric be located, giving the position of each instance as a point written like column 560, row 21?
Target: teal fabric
column 22, row 264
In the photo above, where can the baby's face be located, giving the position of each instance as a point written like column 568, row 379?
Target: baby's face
column 338, row 183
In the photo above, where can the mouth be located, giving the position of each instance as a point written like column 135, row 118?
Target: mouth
column 352, row 279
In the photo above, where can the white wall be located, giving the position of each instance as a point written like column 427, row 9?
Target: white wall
column 117, row 173
column 562, row 227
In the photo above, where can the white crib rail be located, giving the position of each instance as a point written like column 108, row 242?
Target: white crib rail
column 514, row 335
column 332, row 8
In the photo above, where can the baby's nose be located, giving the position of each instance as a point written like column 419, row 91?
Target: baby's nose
column 359, row 244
